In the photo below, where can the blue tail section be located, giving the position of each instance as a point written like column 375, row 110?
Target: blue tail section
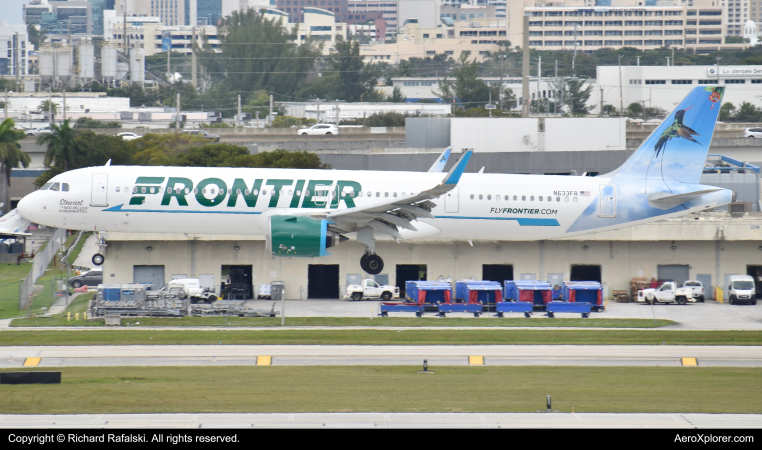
column 676, row 151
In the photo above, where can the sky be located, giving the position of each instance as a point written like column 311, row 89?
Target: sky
column 12, row 11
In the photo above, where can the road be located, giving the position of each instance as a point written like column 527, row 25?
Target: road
column 385, row 420
column 291, row 355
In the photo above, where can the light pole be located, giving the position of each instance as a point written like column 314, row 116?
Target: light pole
column 574, row 57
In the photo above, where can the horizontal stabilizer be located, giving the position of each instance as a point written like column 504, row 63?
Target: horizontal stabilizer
column 12, row 224
column 667, row 200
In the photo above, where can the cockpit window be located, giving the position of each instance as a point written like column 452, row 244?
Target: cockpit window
column 45, row 186
column 55, row 187
column 65, row 187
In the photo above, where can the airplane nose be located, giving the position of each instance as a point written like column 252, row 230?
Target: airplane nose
column 24, row 207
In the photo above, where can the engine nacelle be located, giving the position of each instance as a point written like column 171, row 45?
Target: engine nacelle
column 298, row 236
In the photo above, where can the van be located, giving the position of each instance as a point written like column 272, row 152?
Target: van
column 741, row 290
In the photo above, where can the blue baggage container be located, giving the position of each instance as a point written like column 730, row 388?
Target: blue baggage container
column 563, row 307
column 485, row 292
column 433, row 291
column 590, row 292
column 539, row 293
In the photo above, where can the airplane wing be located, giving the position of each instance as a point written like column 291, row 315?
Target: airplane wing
column 386, row 216
column 439, row 164
column 666, row 200
column 12, row 224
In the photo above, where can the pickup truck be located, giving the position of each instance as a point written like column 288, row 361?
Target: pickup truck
column 190, row 288
column 369, row 289
column 697, row 288
column 667, row 293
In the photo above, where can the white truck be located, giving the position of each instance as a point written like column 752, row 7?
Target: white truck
column 191, row 288
column 697, row 288
column 369, row 289
column 667, row 293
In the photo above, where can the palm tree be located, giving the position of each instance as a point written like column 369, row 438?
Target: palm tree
column 60, row 145
column 49, row 108
column 11, row 157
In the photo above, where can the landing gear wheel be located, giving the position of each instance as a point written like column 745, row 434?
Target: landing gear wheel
column 374, row 264
column 357, row 296
column 98, row 259
column 364, row 262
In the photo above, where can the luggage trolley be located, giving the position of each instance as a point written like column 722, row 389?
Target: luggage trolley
column 590, row 292
column 470, row 297
column 418, row 294
column 537, row 293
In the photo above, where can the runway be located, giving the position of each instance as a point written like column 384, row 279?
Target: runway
column 446, row 355
column 384, row 420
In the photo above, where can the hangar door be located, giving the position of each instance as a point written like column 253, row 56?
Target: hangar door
column 678, row 273
column 149, row 274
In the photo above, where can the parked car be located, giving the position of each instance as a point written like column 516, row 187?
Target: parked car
column 752, row 133
column 204, row 134
column 128, row 136
column 320, row 128
column 90, row 278
column 37, row 132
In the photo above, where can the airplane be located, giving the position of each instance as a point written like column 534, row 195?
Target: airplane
column 304, row 213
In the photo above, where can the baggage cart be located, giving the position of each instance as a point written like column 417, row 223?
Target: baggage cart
column 563, row 307
column 583, row 292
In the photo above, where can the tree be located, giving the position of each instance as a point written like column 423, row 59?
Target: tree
column 576, row 96
column 748, row 113
column 610, row 110
column 634, row 109
column 35, row 36
column 60, row 144
column 727, row 110
column 356, row 78
column 11, row 157
column 49, row 107
column 257, row 54
column 396, row 96
column 465, row 87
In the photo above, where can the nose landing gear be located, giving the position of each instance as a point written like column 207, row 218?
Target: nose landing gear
column 98, row 258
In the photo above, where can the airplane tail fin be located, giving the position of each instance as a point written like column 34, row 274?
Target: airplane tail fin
column 676, row 151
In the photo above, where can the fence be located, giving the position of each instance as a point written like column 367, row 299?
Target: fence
column 44, row 294
column 40, row 263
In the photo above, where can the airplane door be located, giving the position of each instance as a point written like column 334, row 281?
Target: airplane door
column 99, row 190
column 607, row 200
column 451, row 201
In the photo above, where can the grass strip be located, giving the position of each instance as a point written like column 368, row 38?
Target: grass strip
column 353, row 321
column 136, row 336
column 103, row 390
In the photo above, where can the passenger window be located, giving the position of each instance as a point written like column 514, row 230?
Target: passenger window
column 65, row 187
column 402, row 194
column 575, row 199
column 566, row 199
column 506, row 198
column 472, row 196
column 126, row 189
column 394, row 194
column 282, row 191
column 359, row 194
column 230, row 191
column 264, row 191
column 298, row 192
column 117, row 188
column 386, row 194
column 246, row 192
column 531, row 199
column 55, row 187
column 523, row 198
column 558, row 199
column 289, row 192
column 489, row 197
column 550, row 199
column 481, row 197
column 187, row 191
column 256, row 192
column 515, row 198
column 135, row 190
column 541, row 198
column 378, row 194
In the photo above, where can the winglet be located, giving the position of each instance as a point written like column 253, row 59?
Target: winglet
column 439, row 164
column 453, row 176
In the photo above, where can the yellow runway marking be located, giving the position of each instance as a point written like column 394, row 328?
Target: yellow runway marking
column 476, row 360
column 32, row 362
column 264, row 360
column 689, row 361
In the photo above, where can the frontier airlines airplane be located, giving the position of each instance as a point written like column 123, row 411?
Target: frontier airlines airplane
column 303, row 213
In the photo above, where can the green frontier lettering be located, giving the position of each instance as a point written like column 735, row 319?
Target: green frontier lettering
column 222, row 189
column 277, row 187
column 176, row 187
column 310, row 194
column 250, row 196
column 344, row 194
column 297, row 194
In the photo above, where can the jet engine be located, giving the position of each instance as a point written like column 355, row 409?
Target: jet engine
column 298, row 236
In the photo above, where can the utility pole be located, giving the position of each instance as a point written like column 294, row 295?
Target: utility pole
column 177, row 117
column 539, row 80
column 621, row 97
column 193, row 58
column 525, row 70
column 238, row 117
column 667, row 61
column 64, row 104
column 318, row 111
column 271, row 109
column 337, row 112
column 638, row 60
column 500, row 89
column 574, row 57
column 718, row 69
column 5, row 107
column 50, row 104
column 555, row 103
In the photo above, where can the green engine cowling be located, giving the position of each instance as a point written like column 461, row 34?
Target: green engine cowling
column 297, row 236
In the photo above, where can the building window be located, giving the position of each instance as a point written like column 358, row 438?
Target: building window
column 756, row 81
column 656, row 81
column 735, row 81
column 636, row 81
column 708, row 81
column 613, row 32
column 682, row 81
column 633, row 33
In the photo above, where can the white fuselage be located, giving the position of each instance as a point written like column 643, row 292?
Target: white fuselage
column 482, row 206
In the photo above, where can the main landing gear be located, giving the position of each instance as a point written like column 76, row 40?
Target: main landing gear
column 98, row 258
column 372, row 264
